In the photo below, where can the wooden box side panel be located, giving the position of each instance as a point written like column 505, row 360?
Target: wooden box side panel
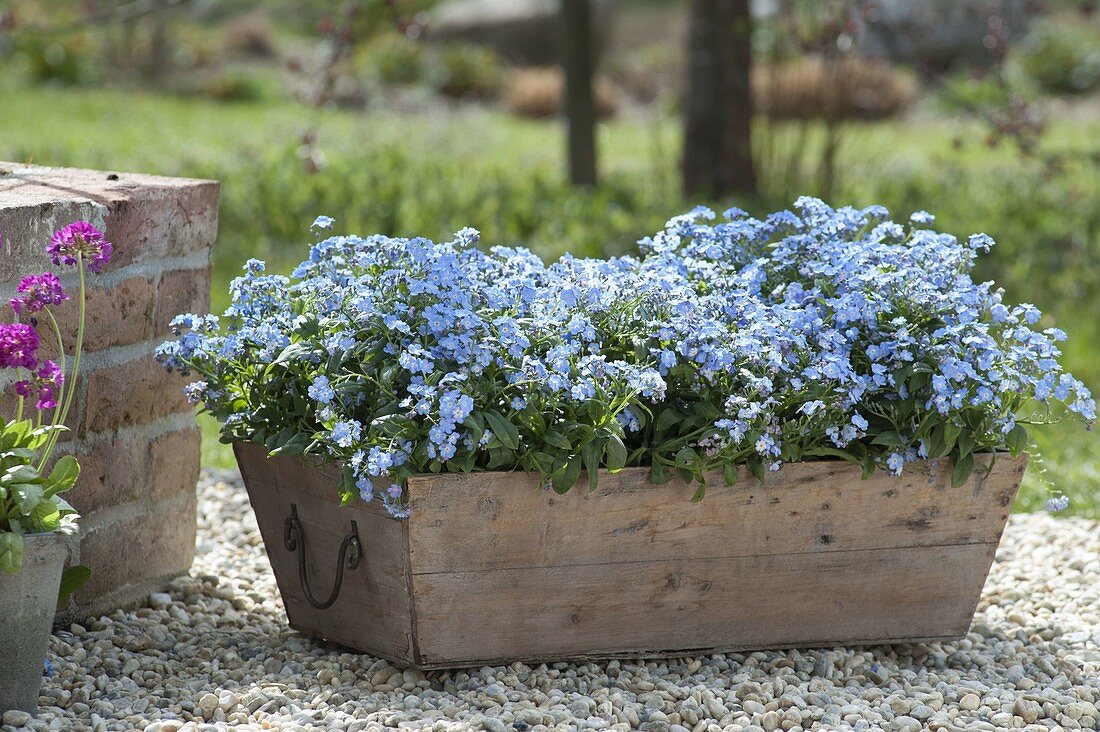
column 640, row 608
column 805, row 507
column 373, row 612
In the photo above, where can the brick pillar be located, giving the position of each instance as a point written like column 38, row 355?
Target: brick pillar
column 132, row 430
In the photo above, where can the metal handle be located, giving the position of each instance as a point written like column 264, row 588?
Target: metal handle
column 294, row 539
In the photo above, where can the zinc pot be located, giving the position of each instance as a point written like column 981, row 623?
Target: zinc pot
column 28, row 599
column 490, row 568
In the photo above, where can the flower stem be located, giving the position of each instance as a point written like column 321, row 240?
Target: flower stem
column 60, row 420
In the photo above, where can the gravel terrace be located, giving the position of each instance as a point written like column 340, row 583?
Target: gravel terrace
column 215, row 653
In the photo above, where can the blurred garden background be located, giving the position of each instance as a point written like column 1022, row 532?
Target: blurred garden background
column 419, row 117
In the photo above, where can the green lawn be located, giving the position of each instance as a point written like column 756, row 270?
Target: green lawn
column 433, row 174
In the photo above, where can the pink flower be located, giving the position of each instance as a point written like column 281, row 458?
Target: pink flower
column 37, row 292
column 18, row 346
column 44, row 384
column 80, row 238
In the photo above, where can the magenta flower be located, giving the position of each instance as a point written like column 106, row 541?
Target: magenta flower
column 80, row 238
column 18, row 346
column 44, row 384
column 37, row 292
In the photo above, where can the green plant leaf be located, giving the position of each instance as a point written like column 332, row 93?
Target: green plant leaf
column 833, row 452
column 1017, row 440
column 45, row 516
column 964, row 466
column 659, row 474
column 27, row 496
column 729, row 473
column 64, row 474
column 72, row 579
column 503, row 430
column 591, row 455
column 557, row 439
column 616, row 453
column 889, row 439
column 966, row 442
column 11, row 552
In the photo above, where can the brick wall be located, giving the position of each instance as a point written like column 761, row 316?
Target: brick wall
column 132, row 430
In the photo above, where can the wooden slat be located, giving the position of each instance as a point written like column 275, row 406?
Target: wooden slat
column 718, row 604
column 490, row 521
column 374, row 610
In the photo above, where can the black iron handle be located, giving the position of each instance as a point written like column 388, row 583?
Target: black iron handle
column 294, row 539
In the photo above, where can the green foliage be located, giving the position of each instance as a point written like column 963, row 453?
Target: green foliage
column 1063, row 55
column 239, row 85
column 406, row 175
column 393, row 58
column 467, row 70
column 30, row 501
column 72, row 579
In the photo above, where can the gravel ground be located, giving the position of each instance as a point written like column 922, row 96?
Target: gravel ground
column 214, row 653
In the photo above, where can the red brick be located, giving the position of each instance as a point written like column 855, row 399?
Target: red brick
column 181, row 291
column 116, row 316
column 147, row 217
column 157, row 543
column 131, row 393
column 112, row 472
column 164, row 221
column 174, row 463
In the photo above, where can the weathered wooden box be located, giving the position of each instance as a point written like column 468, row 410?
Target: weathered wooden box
column 491, row 569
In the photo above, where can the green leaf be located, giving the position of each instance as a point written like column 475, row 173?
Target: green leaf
column 1017, row 440
column 868, row 467
column 659, row 474
column 966, row 442
column 45, row 516
column 591, row 455
column 951, row 433
column 686, row 457
column 667, row 419
column 567, row 478
column 833, row 452
column 729, row 472
column 64, row 474
column 964, row 466
column 504, row 430
column 21, row 474
column 616, row 453
column 889, row 439
column 293, row 351
column 27, row 496
column 757, row 469
column 699, row 493
column 11, row 552
column 72, row 579
column 557, row 439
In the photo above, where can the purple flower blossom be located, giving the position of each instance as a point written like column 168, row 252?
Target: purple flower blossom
column 37, row 292
column 18, row 346
column 80, row 239
column 44, row 385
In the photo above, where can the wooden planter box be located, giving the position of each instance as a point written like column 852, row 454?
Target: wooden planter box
column 490, row 569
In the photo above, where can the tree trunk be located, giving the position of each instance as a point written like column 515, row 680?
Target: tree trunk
column 718, row 110
column 580, row 108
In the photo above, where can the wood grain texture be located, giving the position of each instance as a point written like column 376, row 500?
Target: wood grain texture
column 374, row 610
column 716, row 604
column 495, row 521
column 491, row 569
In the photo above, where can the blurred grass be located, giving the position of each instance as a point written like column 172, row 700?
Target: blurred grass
column 431, row 175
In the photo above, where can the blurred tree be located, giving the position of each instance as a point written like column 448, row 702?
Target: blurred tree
column 718, row 110
column 580, row 106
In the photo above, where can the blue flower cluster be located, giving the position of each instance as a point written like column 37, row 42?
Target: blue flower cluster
column 811, row 333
